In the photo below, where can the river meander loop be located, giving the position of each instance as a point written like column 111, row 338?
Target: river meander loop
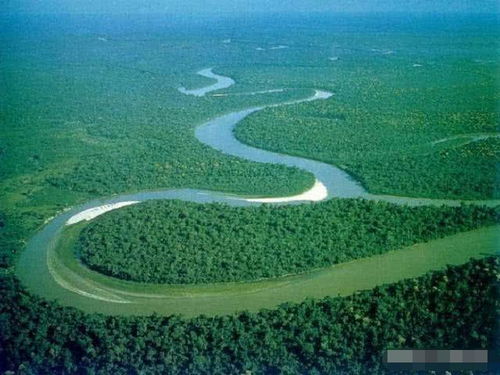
column 47, row 268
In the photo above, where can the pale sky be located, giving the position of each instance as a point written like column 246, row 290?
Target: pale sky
column 246, row 6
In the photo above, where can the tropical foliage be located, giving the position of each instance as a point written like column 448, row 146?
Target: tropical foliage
column 179, row 242
column 392, row 123
column 90, row 107
column 450, row 309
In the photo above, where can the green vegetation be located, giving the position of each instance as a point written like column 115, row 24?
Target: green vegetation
column 381, row 124
column 455, row 308
column 90, row 108
column 162, row 152
column 190, row 300
column 105, row 117
column 178, row 242
column 470, row 168
column 81, row 118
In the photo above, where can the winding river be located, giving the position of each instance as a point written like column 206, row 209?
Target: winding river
column 222, row 83
column 46, row 272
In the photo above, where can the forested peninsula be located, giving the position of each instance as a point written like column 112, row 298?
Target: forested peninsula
column 181, row 242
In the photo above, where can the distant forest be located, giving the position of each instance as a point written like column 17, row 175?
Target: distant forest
column 400, row 128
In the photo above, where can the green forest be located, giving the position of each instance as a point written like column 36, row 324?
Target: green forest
column 106, row 118
column 454, row 308
column 391, row 147
column 90, row 109
column 101, row 122
column 179, row 242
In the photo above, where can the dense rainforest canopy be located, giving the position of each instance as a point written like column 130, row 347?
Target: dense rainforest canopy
column 422, row 128
column 90, row 107
column 450, row 309
column 181, row 242
column 104, row 116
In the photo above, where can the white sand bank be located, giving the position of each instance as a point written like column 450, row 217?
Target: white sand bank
column 93, row 212
column 317, row 193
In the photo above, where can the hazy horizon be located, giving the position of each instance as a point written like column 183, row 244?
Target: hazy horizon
column 228, row 7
